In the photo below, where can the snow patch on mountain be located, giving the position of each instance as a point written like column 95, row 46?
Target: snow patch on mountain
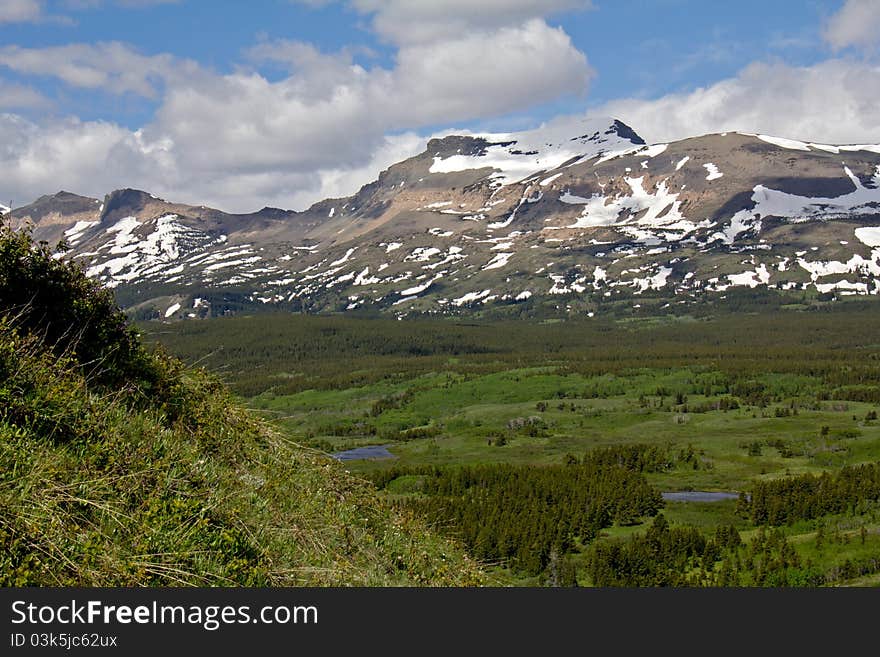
column 498, row 261
column 232, row 263
column 657, row 208
column 655, row 282
column 471, row 297
column 751, row 279
column 344, row 258
column 75, row 233
column 147, row 249
column 422, row 254
column 795, row 145
column 520, row 155
column 855, row 265
column 771, row 202
column 869, row 236
column 714, row 173
column 418, row 289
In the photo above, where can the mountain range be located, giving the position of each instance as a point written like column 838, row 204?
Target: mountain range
column 544, row 221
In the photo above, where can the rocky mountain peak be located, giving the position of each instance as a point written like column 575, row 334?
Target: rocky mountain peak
column 126, row 202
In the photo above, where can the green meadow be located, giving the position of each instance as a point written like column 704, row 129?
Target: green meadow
column 728, row 401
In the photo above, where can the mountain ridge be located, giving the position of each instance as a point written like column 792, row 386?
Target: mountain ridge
column 550, row 219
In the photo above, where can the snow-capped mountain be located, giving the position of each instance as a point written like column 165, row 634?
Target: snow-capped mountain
column 543, row 219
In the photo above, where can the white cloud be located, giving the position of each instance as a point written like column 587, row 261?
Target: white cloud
column 20, row 11
column 93, row 158
column 32, row 11
column 112, row 66
column 856, row 24
column 489, row 73
column 242, row 141
column 834, row 101
column 333, row 112
column 69, row 154
column 16, row 96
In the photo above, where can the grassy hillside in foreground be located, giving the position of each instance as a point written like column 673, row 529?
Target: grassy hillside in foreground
column 122, row 467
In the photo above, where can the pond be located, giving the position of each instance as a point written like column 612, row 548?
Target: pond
column 698, row 496
column 364, row 453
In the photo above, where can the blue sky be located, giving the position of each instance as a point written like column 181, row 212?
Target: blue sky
column 284, row 102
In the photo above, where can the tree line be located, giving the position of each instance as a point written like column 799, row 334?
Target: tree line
column 804, row 497
column 526, row 517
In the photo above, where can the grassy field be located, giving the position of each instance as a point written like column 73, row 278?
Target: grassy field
column 467, row 416
column 733, row 400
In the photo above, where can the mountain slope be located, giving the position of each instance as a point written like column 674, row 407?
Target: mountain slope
column 522, row 222
column 119, row 467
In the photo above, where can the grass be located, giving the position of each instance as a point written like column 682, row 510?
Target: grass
column 468, row 411
column 99, row 487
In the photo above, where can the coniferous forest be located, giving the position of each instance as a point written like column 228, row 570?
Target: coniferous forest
column 563, row 453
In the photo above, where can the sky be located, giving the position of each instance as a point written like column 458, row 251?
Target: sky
column 281, row 103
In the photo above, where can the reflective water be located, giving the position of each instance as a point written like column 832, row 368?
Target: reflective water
column 363, row 453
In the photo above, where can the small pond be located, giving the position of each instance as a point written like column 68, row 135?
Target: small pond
column 364, row 453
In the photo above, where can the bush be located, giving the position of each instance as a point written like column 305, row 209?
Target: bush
column 73, row 314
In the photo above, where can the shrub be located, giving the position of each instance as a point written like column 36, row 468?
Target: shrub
column 54, row 299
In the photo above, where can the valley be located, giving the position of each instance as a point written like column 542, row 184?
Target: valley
column 718, row 403
column 583, row 358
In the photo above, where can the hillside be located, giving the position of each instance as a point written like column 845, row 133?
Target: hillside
column 121, row 467
column 534, row 223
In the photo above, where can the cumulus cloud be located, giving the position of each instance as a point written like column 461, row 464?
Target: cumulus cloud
column 20, row 11
column 483, row 74
column 834, row 101
column 33, row 11
column 856, row 24
column 332, row 112
column 69, row 153
column 113, row 66
column 17, row 96
column 243, row 140
column 95, row 157
column 473, row 75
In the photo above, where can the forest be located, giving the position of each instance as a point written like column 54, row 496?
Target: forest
column 523, row 516
column 547, row 449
